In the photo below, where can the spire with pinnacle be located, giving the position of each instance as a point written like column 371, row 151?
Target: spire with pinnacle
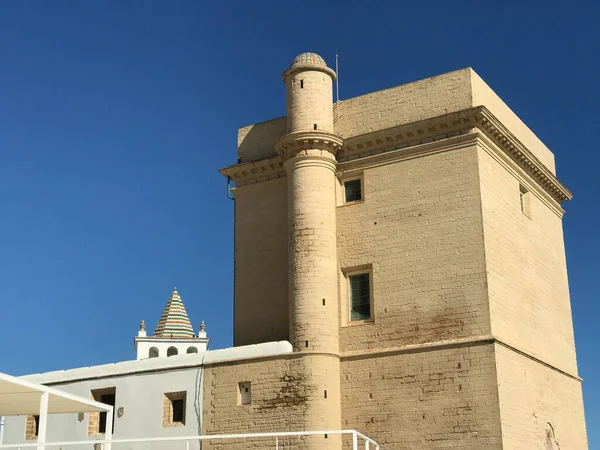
column 174, row 321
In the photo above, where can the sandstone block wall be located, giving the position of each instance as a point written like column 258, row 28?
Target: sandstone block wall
column 420, row 228
column 261, row 263
column 280, row 400
column 539, row 406
column 527, row 275
column 434, row 399
column 309, row 100
column 399, row 105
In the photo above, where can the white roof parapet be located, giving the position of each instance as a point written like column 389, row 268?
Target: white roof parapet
column 153, row 364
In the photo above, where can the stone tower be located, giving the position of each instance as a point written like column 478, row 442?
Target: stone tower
column 417, row 267
column 308, row 151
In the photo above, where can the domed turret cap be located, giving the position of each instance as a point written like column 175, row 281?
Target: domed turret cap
column 308, row 61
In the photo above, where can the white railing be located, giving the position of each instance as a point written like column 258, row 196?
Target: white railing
column 274, row 438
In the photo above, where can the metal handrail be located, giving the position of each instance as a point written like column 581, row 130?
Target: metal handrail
column 107, row 444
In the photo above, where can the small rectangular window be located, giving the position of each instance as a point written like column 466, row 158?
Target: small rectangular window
column 352, row 190
column 360, row 296
column 174, row 405
column 244, row 393
column 97, row 420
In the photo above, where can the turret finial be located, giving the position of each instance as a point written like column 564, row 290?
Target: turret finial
column 202, row 326
column 142, row 325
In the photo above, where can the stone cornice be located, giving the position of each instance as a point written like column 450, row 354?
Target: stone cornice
column 293, row 143
column 408, row 135
column 473, row 121
column 256, row 171
column 502, row 137
column 450, row 125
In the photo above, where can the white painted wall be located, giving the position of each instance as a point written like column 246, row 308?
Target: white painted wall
column 141, row 395
column 140, row 386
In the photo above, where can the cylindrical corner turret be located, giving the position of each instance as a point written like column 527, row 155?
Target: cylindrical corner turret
column 309, row 94
column 309, row 150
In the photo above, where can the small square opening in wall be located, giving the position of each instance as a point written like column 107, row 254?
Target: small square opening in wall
column 174, row 405
column 244, row 393
column 525, row 200
column 353, row 190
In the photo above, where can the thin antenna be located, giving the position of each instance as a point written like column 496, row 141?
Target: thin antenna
column 337, row 89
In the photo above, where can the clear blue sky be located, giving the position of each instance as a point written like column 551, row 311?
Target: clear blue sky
column 115, row 117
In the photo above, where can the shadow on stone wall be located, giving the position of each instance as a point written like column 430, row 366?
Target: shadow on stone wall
column 256, row 142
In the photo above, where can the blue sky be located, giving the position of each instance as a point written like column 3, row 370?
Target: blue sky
column 115, row 117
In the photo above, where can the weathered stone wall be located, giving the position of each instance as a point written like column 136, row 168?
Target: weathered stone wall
column 261, row 263
column 527, row 274
column 539, row 406
column 429, row 399
column 399, row 105
column 309, row 100
column 281, row 398
column 420, row 228
column 406, row 103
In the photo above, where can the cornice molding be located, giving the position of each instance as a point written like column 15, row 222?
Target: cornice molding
column 292, row 143
column 256, row 171
column 473, row 121
column 445, row 344
column 502, row 137
column 451, row 125
column 408, row 135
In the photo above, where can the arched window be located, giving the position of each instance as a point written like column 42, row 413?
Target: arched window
column 192, row 350
column 153, row 352
column 172, row 351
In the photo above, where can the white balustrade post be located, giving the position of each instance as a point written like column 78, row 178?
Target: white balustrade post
column 354, row 441
column 43, row 421
column 366, row 444
column 1, row 430
column 109, row 429
column 276, row 443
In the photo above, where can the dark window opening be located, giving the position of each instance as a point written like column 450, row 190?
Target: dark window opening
column 315, row 126
column 174, row 405
column 301, row 84
column 108, row 399
column 323, row 302
column 178, row 410
column 352, row 190
column 37, row 424
column 360, row 297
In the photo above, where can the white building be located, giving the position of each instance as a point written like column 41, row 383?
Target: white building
column 156, row 396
